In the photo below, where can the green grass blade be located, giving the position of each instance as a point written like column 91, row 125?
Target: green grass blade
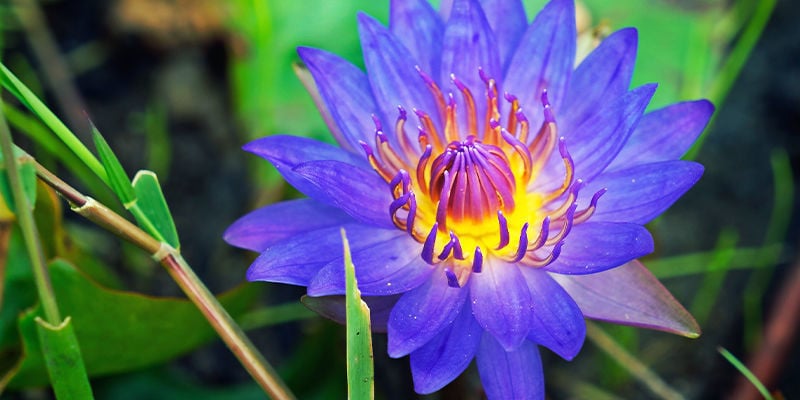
column 117, row 178
column 26, row 96
column 151, row 210
column 746, row 372
column 64, row 362
column 360, row 373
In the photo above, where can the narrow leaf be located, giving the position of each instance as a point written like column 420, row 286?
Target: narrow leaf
column 117, row 178
column 360, row 374
column 153, row 213
column 63, row 358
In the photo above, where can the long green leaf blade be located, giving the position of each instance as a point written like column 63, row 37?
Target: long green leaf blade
column 360, row 373
column 64, row 362
column 117, row 178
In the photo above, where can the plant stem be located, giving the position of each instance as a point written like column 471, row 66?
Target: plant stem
column 630, row 363
column 24, row 215
column 192, row 286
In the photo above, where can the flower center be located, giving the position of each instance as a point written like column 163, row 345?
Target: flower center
column 473, row 180
column 465, row 194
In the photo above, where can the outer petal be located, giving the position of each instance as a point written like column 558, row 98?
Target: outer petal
column 629, row 295
column 510, row 374
column 392, row 74
column 386, row 268
column 665, row 134
column 423, row 313
column 333, row 307
column 469, row 44
column 596, row 142
column 347, row 95
column 592, row 247
column 356, row 191
column 501, row 302
column 605, row 74
column 557, row 321
column 418, row 26
column 639, row 194
column 268, row 225
column 286, row 152
column 544, row 59
column 508, row 21
column 297, row 259
column 444, row 358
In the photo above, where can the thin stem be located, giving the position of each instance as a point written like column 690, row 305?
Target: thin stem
column 25, row 218
column 631, row 363
column 192, row 286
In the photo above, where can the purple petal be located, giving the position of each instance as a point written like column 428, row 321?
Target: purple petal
column 605, row 74
column 386, row 268
column 510, row 374
column 639, row 194
column 544, row 59
column 447, row 355
column 629, row 295
column 417, row 25
column 597, row 141
column 665, row 134
column 501, row 302
column 508, row 21
column 347, row 95
column 592, row 247
column 333, row 308
column 392, row 74
column 557, row 321
column 444, row 9
column 422, row 313
column 358, row 192
column 295, row 260
column 266, row 226
column 286, row 152
column 469, row 44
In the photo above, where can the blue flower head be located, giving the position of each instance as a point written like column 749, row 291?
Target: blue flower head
column 493, row 192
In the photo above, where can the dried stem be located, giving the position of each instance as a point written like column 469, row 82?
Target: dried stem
column 192, row 286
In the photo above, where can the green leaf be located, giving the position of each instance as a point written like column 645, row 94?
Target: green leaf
column 360, row 374
column 117, row 178
column 746, row 372
column 118, row 331
column 26, row 96
column 63, row 358
column 153, row 207
column 27, row 171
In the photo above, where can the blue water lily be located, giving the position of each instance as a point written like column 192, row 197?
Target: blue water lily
column 493, row 192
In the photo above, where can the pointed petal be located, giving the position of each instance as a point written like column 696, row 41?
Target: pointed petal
column 447, row 355
column 557, row 321
column 510, row 374
column 385, row 268
column 418, row 26
column 347, row 95
column 592, row 247
column 605, row 74
column 544, row 59
column 629, row 295
column 508, row 22
column 639, row 194
column 295, row 260
column 268, row 225
column 469, row 44
column 665, row 134
column 360, row 193
column 444, row 9
column 422, row 313
column 286, row 152
column 392, row 76
column 597, row 141
column 501, row 302
column 333, row 308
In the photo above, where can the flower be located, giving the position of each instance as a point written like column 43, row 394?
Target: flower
column 494, row 194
